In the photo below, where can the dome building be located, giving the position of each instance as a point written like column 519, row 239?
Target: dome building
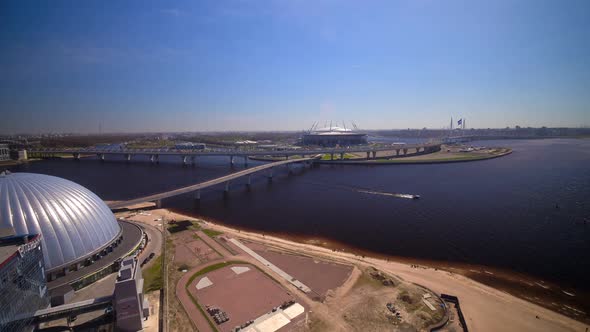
column 77, row 227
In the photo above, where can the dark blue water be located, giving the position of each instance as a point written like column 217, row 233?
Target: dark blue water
column 524, row 212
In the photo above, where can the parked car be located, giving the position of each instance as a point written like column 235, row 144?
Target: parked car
column 108, row 310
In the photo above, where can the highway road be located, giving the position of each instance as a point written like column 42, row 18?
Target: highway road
column 206, row 184
column 232, row 152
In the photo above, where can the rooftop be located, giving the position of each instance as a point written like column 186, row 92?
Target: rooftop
column 9, row 245
column 6, row 251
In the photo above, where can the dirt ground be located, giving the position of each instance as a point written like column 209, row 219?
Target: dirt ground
column 453, row 324
column 243, row 297
column 190, row 250
column 319, row 275
column 363, row 306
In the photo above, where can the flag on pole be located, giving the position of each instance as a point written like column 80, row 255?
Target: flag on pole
column 460, row 121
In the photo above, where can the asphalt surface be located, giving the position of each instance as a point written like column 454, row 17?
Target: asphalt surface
column 131, row 238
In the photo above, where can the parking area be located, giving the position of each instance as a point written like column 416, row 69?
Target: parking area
column 240, row 293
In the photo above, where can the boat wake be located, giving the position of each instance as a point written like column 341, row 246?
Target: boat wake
column 407, row 196
column 365, row 191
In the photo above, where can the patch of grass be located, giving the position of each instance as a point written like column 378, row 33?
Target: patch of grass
column 210, row 268
column 153, row 276
column 183, row 225
column 455, row 158
column 211, row 232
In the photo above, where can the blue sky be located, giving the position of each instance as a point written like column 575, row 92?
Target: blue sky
column 284, row 64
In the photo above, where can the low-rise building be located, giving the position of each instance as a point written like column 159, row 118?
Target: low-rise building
column 4, row 152
column 130, row 305
column 190, row 146
column 22, row 155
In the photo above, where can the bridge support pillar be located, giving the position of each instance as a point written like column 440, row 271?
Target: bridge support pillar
column 397, row 152
column 155, row 159
column 405, row 151
column 226, row 189
column 197, row 200
column 128, row 157
column 249, row 182
column 270, row 174
column 286, row 157
column 331, row 156
column 77, row 156
column 341, row 155
column 231, row 160
column 193, row 163
column 245, row 161
column 374, row 154
column 101, row 156
column 159, row 204
column 368, row 155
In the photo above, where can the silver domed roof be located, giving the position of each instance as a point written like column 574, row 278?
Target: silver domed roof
column 74, row 221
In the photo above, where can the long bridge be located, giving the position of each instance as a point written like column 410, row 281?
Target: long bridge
column 196, row 188
column 189, row 156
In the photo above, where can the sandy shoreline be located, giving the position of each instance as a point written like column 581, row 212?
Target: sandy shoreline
column 486, row 294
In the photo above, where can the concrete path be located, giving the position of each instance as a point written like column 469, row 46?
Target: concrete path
column 273, row 267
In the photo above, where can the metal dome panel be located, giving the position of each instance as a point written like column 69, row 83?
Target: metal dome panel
column 74, row 221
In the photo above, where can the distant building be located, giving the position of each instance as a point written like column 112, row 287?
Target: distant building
column 332, row 136
column 22, row 155
column 4, row 152
column 190, row 146
column 246, row 142
column 23, row 289
column 129, row 304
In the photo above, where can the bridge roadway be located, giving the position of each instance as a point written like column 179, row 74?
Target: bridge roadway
column 370, row 150
column 197, row 187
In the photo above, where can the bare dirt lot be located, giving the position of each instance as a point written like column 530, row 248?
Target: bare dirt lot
column 191, row 250
column 365, row 306
column 243, row 297
column 319, row 275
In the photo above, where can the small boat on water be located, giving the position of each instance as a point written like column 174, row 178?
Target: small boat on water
column 415, row 196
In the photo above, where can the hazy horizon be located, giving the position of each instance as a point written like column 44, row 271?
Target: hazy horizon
column 283, row 65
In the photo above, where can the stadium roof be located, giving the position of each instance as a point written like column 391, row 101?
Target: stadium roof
column 74, row 221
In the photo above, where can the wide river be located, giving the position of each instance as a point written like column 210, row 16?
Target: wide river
column 524, row 212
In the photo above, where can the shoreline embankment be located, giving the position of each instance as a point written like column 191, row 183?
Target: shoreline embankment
column 536, row 290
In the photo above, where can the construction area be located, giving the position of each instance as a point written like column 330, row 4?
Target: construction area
column 225, row 280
